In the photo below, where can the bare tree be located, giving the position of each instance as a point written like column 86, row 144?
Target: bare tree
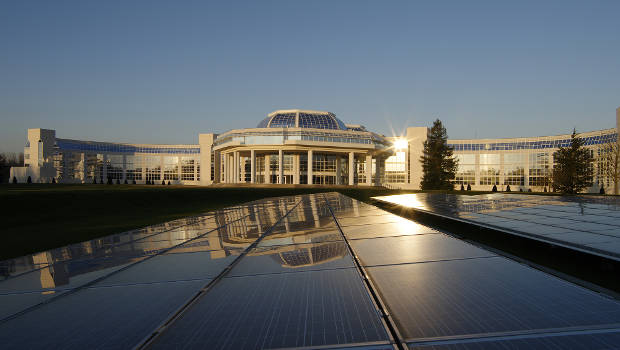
column 8, row 160
column 609, row 163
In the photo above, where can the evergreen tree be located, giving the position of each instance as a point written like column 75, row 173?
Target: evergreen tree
column 438, row 164
column 29, row 180
column 573, row 170
column 468, row 187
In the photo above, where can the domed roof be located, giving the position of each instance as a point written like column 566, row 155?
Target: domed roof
column 297, row 118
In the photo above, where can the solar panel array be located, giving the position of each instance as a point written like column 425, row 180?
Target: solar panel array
column 280, row 273
column 590, row 224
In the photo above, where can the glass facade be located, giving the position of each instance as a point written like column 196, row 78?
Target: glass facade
column 280, row 137
column 105, row 147
column 395, row 168
column 286, row 120
column 543, row 143
column 466, row 173
column 320, row 121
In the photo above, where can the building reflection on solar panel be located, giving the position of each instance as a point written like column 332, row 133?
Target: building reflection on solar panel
column 280, row 273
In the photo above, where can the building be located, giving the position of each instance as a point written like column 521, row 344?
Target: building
column 281, row 147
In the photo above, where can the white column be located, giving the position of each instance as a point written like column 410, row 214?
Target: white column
column 105, row 168
column 267, row 168
column 84, row 168
column 225, row 167
column 338, row 172
column 310, row 167
column 296, row 169
column 161, row 170
column 368, row 170
column 237, row 168
column 378, row 171
column 179, row 164
column 124, row 177
column 143, row 166
column 252, row 166
column 280, row 167
column 351, row 168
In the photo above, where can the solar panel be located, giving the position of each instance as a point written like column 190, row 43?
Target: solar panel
column 261, row 280
column 414, row 249
column 581, row 223
column 594, row 339
column 295, row 258
column 279, row 310
column 98, row 317
column 485, row 296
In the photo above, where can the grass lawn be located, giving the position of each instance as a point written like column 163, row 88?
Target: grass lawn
column 38, row 217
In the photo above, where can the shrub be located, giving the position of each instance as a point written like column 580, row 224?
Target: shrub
column 508, row 188
column 29, row 180
column 468, row 187
column 14, row 180
column 163, row 182
column 529, row 190
column 462, row 187
column 494, row 189
column 602, row 191
column 168, row 182
column 53, row 180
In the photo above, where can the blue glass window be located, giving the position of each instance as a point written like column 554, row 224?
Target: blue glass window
column 283, row 121
column 264, row 123
column 320, row 121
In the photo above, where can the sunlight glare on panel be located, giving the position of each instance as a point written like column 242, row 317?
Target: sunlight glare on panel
column 406, row 200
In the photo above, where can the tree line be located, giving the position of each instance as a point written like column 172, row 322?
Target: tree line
column 572, row 173
column 8, row 160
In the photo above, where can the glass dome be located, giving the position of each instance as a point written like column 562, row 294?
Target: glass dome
column 302, row 119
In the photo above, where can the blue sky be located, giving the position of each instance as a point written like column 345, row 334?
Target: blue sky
column 161, row 72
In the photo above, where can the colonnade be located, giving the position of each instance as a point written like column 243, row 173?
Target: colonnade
column 232, row 164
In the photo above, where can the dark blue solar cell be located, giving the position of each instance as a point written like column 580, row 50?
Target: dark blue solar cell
column 301, row 309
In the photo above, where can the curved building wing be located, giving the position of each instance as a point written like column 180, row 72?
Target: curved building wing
column 298, row 146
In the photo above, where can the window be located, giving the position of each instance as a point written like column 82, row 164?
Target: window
column 395, row 168
column 188, row 166
column 133, row 166
column 286, row 120
column 324, row 163
column 171, row 168
column 115, row 167
column 514, row 168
